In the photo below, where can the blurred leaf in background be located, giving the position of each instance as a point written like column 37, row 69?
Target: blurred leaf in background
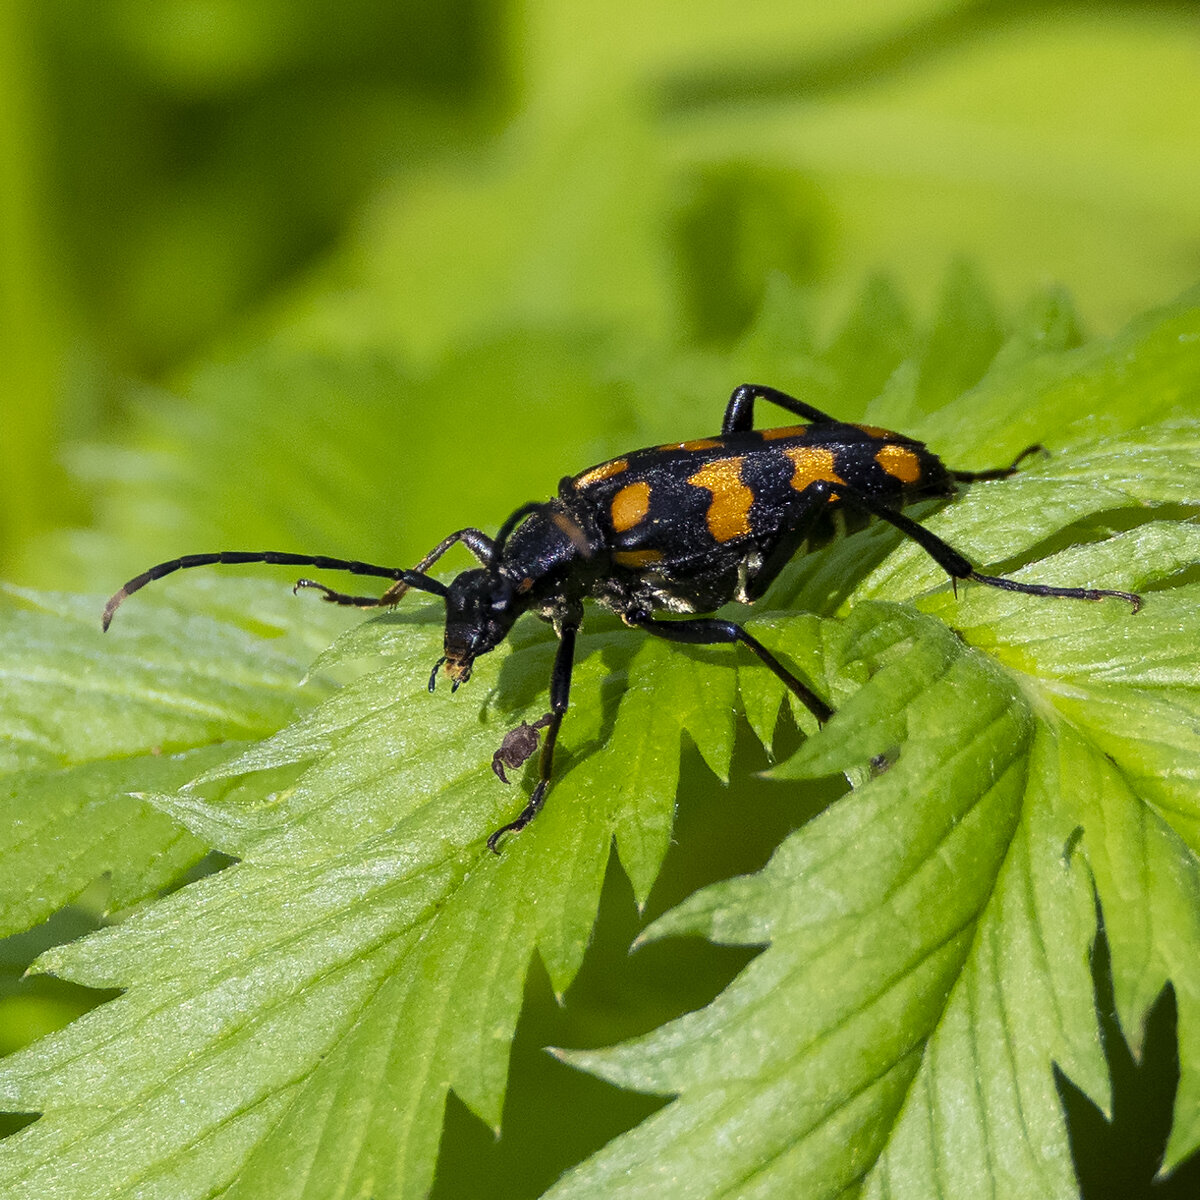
column 413, row 178
column 168, row 170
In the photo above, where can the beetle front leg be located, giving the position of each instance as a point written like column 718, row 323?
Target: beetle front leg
column 331, row 596
column 560, row 692
column 478, row 543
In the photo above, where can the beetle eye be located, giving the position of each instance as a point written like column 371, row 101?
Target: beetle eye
column 502, row 598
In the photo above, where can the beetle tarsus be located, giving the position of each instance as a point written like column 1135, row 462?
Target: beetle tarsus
column 530, row 811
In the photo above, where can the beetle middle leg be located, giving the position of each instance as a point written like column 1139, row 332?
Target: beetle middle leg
column 711, row 631
column 739, row 413
column 999, row 472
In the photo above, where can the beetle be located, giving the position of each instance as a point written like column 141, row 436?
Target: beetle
column 677, row 529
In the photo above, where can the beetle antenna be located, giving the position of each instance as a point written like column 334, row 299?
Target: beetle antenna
column 414, row 579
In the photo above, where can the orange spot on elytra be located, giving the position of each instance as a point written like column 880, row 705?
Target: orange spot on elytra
column 697, row 444
column 813, row 465
column 630, row 505
column 729, row 513
column 900, row 462
column 603, row 471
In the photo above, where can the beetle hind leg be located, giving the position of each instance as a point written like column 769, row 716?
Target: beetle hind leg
column 957, row 566
column 1045, row 589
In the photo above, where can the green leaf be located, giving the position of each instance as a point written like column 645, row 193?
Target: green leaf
column 819, row 1039
column 294, row 1025
column 90, row 719
column 963, row 341
column 928, row 939
column 368, row 953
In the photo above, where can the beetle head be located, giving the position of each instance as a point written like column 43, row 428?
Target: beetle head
column 481, row 606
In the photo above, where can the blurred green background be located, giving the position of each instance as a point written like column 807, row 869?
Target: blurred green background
column 342, row 278
column 464, row 226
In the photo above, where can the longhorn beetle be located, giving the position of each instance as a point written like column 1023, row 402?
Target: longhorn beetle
column 682, row 528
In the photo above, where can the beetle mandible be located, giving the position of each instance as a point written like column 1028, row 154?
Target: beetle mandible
column 679, row 529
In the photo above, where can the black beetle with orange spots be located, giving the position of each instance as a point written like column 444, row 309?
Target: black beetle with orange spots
column 678, row 529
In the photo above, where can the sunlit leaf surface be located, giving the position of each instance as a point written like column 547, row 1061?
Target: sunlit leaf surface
column 292, row 1025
